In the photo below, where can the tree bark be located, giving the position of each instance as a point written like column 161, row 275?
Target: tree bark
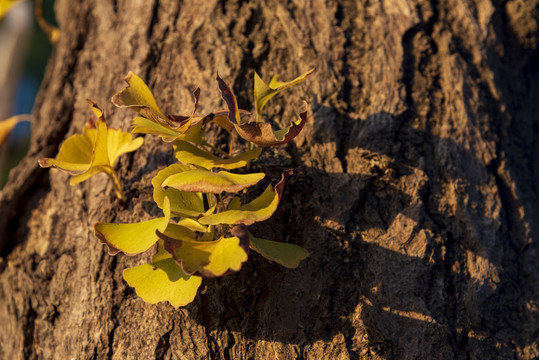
column 416, row 189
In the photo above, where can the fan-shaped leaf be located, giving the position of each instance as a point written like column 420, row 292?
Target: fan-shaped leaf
column 204, row 258
column 182, row 203
column 288, row 255
column 190, row 154
column 264, row 92
column 137, row 96
column 163, row 280
column 258, row 132
column 201, row 180
column 94, row 151
column 146, row 126
column 257, row 210
column 132, row 238
column 262, row 133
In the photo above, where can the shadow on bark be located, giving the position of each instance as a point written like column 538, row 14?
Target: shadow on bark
column 352, row 278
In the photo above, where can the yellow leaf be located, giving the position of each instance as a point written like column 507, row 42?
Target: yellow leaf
column 259, row 209
column 163, row 280
column 146, row 126
column 204, row 258
column 288, row 255
column 201, row 180
column 120, row 142
column 262, row 133
column 264, row 92
column 192, row 224
column 190, row 154
column 258, row 132
column 132, row 238
column 183, row 203
column 138, row 97
column 94, row 151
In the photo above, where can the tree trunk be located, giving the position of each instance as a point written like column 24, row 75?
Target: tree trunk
column 416, row 189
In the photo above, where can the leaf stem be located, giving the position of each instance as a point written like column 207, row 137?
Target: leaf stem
column 116, row 183
column 221, row 201
column 216, row 149
column 208, row 198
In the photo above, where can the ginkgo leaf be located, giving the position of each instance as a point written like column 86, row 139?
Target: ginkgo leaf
column 6, row 126
column 257, row 210
column 163, row 280
column 258, row 132
column 262, row 133
column 192, row 224
column 119, row 143
column 194, row 134
column 201, row 180
column 209, row 234
column 146, row 126
column 190, row 154
column 221, row 118
column 234, row 204
column 132, row 238
column 182, row 123
column 94, row 151
column 288, row 255
column 182, row 203
column 204, row 258
column 137, row 96
column 264, row 92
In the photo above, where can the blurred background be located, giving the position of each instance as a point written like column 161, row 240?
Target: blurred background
column 24, row 49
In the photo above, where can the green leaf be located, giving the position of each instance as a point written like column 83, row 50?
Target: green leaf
column 264, row 92
column 190, row 154
column 132, row 238
column 183, row 203
column 258, row 132
column 201, row 180
column 259, row 209
column 163, row 280
column 288, row 255
column 204, row 258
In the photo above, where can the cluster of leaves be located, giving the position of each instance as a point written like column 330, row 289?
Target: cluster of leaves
column 201, row 233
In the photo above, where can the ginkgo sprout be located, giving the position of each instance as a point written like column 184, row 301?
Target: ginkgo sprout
column 201, row 233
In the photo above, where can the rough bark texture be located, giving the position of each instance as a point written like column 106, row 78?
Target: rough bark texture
column 416, row 190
